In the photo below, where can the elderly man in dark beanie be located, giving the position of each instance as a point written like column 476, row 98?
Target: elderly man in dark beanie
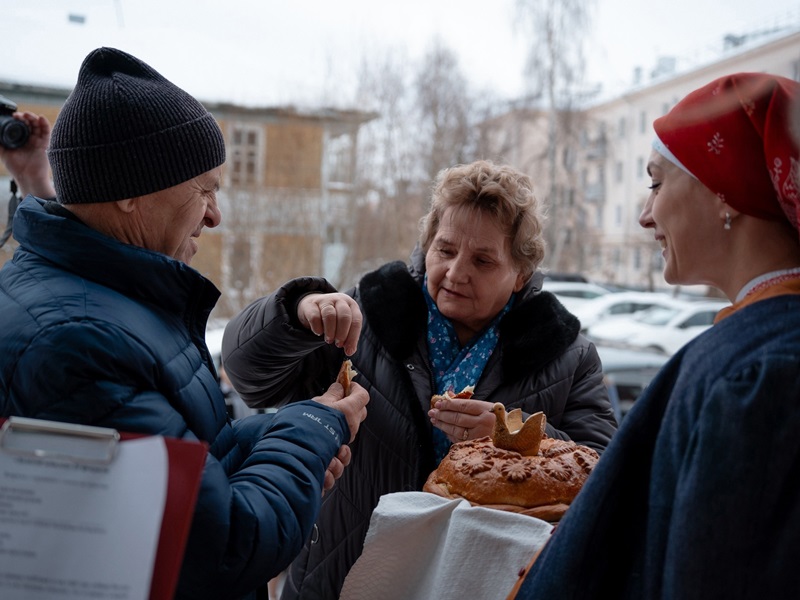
column 102, row 322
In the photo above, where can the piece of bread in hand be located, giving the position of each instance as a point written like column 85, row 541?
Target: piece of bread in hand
column 346, row 374
column 449, row 395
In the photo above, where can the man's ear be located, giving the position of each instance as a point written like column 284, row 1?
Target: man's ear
column 127, row 206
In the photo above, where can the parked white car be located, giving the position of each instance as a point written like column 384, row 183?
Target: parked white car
column 574, row 294
column 214, row 342
column 617, row 304
column 662, row 329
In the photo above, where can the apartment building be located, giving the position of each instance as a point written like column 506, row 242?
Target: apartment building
column 622, row 127
column 589, row 164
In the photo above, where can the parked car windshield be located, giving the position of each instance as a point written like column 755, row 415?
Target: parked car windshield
column 657, row 315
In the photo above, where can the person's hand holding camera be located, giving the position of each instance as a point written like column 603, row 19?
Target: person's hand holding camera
column 28, row 164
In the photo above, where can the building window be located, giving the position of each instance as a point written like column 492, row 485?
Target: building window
column 618, row 171
column 640, row 167
column 665, row 108
column 643, row 122
column 245, row 149
column 618, row 214
column 568, row 158
column 622, row 127
column 340, row 159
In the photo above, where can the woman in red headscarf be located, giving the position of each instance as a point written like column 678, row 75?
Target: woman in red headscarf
column 698, row 494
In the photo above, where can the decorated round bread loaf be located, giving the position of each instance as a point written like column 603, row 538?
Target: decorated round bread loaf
column 542, row 486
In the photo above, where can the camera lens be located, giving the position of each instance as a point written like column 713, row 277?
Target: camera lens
column 13, row 133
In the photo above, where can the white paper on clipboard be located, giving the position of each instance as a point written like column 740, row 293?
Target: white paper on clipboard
column 80, row 513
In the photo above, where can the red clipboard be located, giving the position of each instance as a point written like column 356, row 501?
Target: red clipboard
column 185, row 459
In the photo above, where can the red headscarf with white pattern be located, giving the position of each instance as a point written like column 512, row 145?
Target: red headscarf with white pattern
column 740, row 136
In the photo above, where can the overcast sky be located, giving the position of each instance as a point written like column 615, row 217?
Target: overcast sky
column 269, row 52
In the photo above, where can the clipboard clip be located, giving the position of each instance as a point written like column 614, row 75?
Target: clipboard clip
column 36, row 438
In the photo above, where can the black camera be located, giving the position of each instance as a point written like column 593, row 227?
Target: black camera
column 13, row 133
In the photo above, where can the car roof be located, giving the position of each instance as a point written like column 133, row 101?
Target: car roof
column 552, row 286
column 697, row 305
column 681, row 309
column 627, row 296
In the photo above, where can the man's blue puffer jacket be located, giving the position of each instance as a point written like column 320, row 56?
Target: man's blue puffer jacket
column 103, row 333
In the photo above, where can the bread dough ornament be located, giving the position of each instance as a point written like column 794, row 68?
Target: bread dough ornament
column 518, row 468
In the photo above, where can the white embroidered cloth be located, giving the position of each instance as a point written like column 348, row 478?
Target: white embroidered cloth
column 420, row 546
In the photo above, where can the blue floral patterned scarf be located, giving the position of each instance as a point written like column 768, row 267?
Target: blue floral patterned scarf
column 454, row 366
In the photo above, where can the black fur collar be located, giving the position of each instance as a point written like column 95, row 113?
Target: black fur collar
column 536, row 330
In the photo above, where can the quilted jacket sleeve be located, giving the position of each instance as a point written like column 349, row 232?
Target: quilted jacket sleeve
column 266, row 352
column 250, row 524
column 587, row 417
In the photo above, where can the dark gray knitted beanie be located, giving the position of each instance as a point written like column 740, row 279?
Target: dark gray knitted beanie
column 126, row 131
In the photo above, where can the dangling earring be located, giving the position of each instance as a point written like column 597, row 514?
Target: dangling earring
column 727, row 225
